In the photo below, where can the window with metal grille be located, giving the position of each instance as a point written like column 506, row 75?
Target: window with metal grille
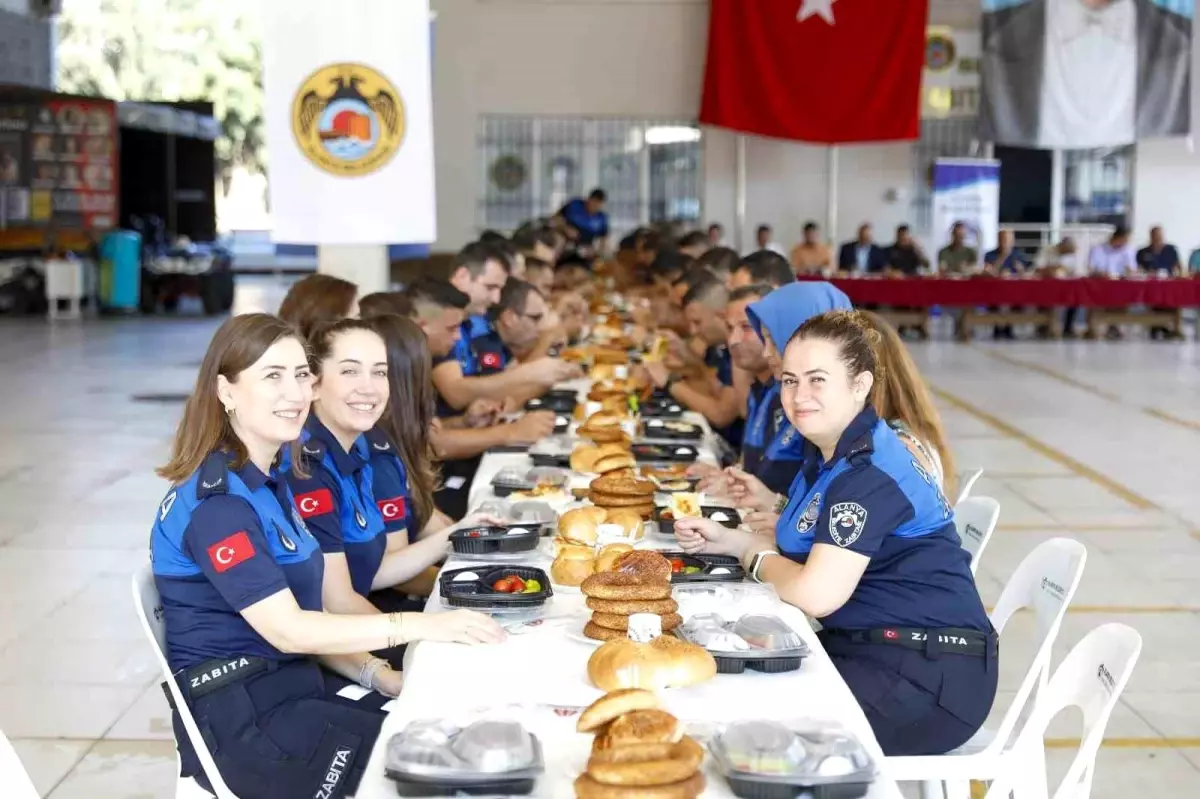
column 652, row 170
column 1098, row 185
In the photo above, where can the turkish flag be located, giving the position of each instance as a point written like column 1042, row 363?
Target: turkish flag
column 816, row 70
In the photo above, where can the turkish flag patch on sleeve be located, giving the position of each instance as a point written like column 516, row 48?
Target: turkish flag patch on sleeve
column 229, row 552
column 392, row 509
column 314, row 503
column 490, row 360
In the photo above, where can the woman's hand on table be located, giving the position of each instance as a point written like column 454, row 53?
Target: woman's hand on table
column 456, row 627
column 704, row 535
column 749, row 492
column 657, row 372
column 388, row 681
column 714, row 483
column 702, row 470
column 548, row 371
column 477, row 520
column 761, row 522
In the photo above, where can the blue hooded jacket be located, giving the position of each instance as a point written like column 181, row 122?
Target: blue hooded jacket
column 777, row 456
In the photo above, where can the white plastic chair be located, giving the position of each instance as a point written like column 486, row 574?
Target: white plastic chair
column 1091, row 678
column 13, row 775
column 966, row 482
column 149, row 608
column 1044, row 581
column 975, row 518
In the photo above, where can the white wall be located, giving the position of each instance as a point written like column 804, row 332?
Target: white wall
column 15, row 6
column 637, row 58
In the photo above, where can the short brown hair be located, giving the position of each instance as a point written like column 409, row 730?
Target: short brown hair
column 205, row 427
column 315, row 300
column 382, row 303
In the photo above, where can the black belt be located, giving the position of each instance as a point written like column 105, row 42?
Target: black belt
column 213, row 675
column 933, row 642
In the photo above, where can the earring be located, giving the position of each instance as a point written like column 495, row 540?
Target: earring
column 229, row 410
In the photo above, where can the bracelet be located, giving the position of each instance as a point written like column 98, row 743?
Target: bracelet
column 781, row 504
column 396, row 633
column 366, row 673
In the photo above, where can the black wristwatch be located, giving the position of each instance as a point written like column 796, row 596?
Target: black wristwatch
column 670, row 382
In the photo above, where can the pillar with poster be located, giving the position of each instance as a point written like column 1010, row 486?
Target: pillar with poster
column 966, row 191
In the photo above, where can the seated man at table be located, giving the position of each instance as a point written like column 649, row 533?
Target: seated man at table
column 1062, row 260
column 1006, row 259
column 1163, row 259
column 694, row 244
column 1112, row 259
column 764, row 239
column 862, row 255
column 586, row 223
column 764, row 266
column 720, row 262
column 811, row 255
column 956, row 258
column 905, row 255
column 459, row 439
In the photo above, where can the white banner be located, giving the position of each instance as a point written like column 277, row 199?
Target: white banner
column 966, row 190
column 349, row 121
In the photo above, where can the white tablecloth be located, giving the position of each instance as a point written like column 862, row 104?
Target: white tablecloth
column 545, row 672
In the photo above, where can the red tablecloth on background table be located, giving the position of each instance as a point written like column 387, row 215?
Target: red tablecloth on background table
column 923, row 292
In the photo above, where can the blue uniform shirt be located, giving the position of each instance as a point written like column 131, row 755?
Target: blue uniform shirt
column 717, row 358
column 873, row 498
column 223, row 540
column 1013, row 262
column 1165, row 259
column 479, row 351
column 337, row 501
column 784, row 455
column 390, row 486
column 760, row 405
column 590, row 226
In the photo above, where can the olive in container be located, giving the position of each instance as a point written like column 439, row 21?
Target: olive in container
column 704, row 568
column 785, row 760
column 486, row 757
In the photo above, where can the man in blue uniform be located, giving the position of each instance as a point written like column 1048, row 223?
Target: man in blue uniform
column 763, row 413
column 586, row 222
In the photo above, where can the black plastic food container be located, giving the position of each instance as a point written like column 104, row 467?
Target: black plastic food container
column 749, row 788
column 677, row 453
column 486, row 540
column 406, row 785
column 480, row 595
column 654, row 408
column 694, row 432
column 667, row 526
column 558, row 401
column 706, row 563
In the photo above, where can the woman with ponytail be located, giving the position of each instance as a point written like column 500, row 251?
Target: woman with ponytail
column 866, row 543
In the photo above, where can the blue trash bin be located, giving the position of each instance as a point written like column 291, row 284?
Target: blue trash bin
column 121, row 270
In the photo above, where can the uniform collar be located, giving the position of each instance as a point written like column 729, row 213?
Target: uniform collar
column 346, row 462
column 379, row 442
column 253, row 477
column 477, row 326
column 856, row 439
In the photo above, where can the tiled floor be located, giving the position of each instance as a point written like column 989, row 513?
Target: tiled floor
column 1097, row 441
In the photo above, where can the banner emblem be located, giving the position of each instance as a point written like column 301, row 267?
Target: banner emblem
column 348, row 119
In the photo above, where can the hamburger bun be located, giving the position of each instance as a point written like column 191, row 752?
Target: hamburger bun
column 610, row 463
column 615, row 621
column 588, row 788
column 659, row 607
column 607, row 559
column 614, row 585
column 682, row 761
column 603, row 435
column 691, row 664
column 613, row 705
column 605, row 500
column 647, row 564
column 618, row 448
column 573, row 565
column 583, row 458
column 630, row 521
column 651, row 726
column 601, row 420
column 579, row 525
column 597, row 633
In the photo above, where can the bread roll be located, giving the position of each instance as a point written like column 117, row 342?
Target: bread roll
column 588, row 788
column 597, row 633
column 630, row 521
column 584, row 458
column 620, row 621
column 682, row 761
column 661, row 607
column 614, row 585
column 579, row 525
column 645, row 563
column 690, row 664
column 573, row 565
column 651, row 726
column 609, row 555
column 610, row 463
column 621, row 486
column 603, row 419
column 614, row 704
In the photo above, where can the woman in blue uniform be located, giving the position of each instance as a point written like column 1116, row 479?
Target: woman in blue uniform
column 775, row 449
column 240, row 579
column 866, row 543
column 335, row 484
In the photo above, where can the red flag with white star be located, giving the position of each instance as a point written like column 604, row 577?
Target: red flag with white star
column 824, row 71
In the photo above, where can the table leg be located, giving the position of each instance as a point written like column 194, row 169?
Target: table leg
column 966, row 325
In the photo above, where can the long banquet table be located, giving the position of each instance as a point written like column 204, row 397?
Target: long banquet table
column 925, row 292
column 540, row 675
